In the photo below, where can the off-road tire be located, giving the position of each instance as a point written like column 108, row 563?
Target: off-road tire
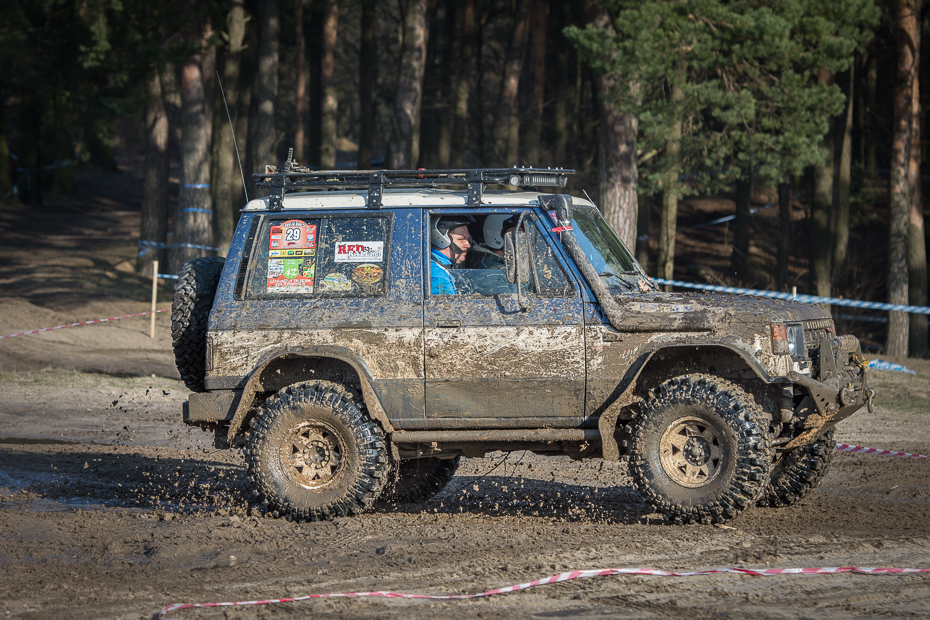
column 716, row 458
column 190, row 310
column 342, row 466
column 799, row 472
column 415, row 481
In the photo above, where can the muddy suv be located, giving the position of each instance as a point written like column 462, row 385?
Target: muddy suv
column 321, row 348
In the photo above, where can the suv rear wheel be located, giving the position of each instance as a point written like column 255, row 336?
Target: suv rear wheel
column 799, row 472
column 314, row 454
column 418, row 480
column 699, row 451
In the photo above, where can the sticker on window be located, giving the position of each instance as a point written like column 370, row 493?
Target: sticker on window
column 290, row 275
column 336, row 282
column 359, row 252
column 291, row 235
column 367, row 274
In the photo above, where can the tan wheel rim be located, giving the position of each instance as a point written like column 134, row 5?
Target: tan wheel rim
column 691, row 452
column 313, row 455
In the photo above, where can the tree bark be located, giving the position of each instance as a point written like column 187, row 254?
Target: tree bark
column 561, row 121
column 267, row 91
column 367, row 83
column 868, row 127
column 917, row 244
column 405, row 145
column 742, row 227
column 538, row 26
column 300, row 94
column 900, row 200
column 446, row 100
column 327, row 74
column 821, row 208
column 171, row 93
column 843, row 176
column 227, row 179
column 507, row 117
column 466, row 56
column 155, row 178
column 669, row 218
column 193, row 221
column 784, row 238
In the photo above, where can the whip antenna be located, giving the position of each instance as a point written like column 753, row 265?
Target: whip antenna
column 232, row 131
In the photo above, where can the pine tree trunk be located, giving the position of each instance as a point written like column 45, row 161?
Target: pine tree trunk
column 154, row 179
column 539, row 22
column 447, row 98
column 367, row 84
column 507, row 119
column 742, row 227
column 427, row 131
column 267, row 91
column 405, row 148
column 171, row 93
column 193, row 220
column 868, row 127
column 916, row 241
column 245, row 113
column 900, row 200
column 843, row 176
column 466, row 56
column 300, row 95
column 227, row 169
column 561, row 122
column 669, row 217
column 315, row 52
column 328, row 86
column 784, row 237
column 643, row 224
column 821, row 208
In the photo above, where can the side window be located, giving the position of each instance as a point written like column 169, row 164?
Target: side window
column 482, row 272
column 320, row 257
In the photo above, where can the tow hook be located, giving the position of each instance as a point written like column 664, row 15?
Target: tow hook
column 870, row 394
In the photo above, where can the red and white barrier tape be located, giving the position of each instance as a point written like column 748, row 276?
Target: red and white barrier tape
column 845, row 447
column 578, row 574
column 115, row 318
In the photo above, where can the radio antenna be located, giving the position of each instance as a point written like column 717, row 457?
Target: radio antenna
column 232, row 131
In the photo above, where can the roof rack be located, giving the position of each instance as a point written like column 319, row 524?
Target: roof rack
column 297, row 178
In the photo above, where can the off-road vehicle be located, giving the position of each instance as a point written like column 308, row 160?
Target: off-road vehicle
column 319, row 347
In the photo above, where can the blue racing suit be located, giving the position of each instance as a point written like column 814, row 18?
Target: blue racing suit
column 440, row 279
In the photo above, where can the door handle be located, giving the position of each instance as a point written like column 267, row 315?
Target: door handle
column 448, row 323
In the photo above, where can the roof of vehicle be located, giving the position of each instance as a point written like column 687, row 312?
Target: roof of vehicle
column 393, row 198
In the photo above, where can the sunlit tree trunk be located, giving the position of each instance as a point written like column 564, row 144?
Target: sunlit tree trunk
column 916, row 245
column 843, row 175
column 507, row 117
column 466, row 57
column 155, row 178
column 900, row 200
column 227, row 169
column 328, row 86
column 267, row 91
column 405, row 148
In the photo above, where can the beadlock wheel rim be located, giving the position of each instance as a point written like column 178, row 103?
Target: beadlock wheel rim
column 691, row 452
column 313, row 455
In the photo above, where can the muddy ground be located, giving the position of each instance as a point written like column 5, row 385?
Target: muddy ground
column 111, row 508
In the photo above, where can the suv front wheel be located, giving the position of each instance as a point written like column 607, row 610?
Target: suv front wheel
column 313, row 454
column 698, row 450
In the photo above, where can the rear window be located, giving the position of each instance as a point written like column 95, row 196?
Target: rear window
column 320, row 257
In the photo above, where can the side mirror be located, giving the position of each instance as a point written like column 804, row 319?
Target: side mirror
column 517, row 256
column 561, row 204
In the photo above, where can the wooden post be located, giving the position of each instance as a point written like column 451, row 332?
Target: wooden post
column 154, row 295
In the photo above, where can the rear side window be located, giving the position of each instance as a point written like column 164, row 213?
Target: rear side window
column 320, row 257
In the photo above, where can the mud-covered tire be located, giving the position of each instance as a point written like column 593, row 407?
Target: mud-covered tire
column 799, row 472
column 190, row 310
column 314, row 454
column 415, row 481
column 699, row 452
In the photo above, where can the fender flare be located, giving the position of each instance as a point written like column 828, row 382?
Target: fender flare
column 253, row 383
column 623, row 394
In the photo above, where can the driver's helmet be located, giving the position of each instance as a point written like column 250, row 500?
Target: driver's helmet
column 440, row 227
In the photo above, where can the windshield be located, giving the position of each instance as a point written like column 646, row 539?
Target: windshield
column 610, row 258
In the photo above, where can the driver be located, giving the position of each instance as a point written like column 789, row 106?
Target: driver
column 450, row 242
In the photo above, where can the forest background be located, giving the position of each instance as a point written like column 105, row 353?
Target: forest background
column 651, row 102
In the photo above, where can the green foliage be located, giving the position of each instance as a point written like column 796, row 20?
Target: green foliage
column 748, row 70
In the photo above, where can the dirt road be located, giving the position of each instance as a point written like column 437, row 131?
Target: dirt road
column 111, row 508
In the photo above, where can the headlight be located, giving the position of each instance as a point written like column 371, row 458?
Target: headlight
column 788, row 339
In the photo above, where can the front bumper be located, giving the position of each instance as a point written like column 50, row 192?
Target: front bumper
column 840, row 390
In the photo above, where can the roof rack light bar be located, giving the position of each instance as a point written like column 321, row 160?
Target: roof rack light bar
column 296, row 178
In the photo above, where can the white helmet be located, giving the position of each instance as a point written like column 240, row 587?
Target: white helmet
column 494, row 227
column 440, row 227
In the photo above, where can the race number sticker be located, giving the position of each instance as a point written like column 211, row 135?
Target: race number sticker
column 292, row 235
column 290, row 275
column 359, row 252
